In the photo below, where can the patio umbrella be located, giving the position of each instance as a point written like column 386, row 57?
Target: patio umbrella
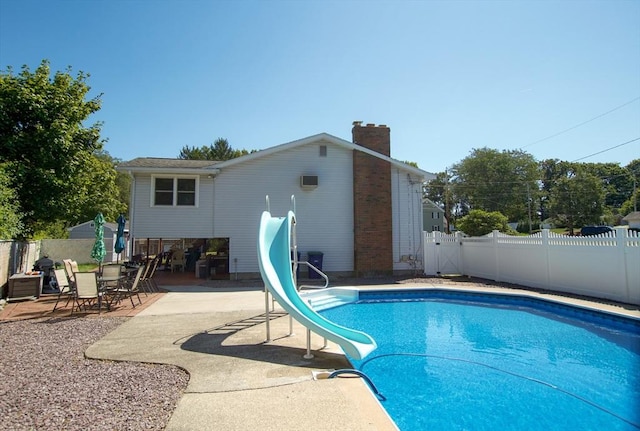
column 98, row 252
column 120, row 235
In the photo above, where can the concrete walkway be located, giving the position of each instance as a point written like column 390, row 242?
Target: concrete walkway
column 237, row 380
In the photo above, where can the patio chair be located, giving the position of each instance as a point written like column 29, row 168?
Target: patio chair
column 86, row 292
column 113, row 272
column 147, row 283
column 71, row 267
column 68, row 270
column 63, row 286
column 178, row 260
column 129, row 288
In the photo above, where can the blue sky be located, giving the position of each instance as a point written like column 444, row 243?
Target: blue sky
column 446, row 76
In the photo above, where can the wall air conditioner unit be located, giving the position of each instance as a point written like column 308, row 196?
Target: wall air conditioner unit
column 309, row 182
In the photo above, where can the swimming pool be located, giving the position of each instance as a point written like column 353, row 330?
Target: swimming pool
column 452, row 360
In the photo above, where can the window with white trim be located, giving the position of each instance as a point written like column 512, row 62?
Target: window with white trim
column 435, row 215
column 175, row 191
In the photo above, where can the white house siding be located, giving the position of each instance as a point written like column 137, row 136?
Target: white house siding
column 171, row 222
column 407, row 220
column 324, row 215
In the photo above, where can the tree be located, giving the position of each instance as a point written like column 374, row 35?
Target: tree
column 494, row 180
column 99, row 190
column 479, row 222
column 10, row 219
column 552, row 170
column 617, row 182
column 48, row 150
column 577, row 199
column 220, row 150
column 631, row 204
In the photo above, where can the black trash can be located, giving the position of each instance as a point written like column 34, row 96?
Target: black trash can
column 315, row 259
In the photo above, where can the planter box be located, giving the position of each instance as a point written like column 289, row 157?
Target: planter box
column 22, row 286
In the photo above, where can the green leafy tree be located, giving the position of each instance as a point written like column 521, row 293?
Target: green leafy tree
column 46, row 146
column 634, row 168
column 10, row 219
column 552, row 170
column 617, row 182
column 479, row 222
column 494, row 180
column 631, row 204
column 577, row 200
column 220, row 150
column 99, row 190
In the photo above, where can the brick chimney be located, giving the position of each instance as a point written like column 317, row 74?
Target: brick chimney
column 373, row 235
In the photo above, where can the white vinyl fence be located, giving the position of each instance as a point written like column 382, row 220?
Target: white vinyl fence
column 605, row 266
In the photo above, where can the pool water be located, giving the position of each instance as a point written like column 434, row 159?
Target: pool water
column 483, row 364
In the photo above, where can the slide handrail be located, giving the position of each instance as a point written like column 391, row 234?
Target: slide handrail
column 322, row 274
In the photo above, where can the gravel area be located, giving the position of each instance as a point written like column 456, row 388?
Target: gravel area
column 46, row 383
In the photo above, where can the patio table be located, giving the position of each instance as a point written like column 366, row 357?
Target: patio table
column 109, row 284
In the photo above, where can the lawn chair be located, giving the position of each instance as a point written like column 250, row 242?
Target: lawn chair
column 178, row 260
column 71, row 267
column 86, row 292
column 64, row 287
column 129, row 288
column 113, row 273
column 68, row 270
column 147, row 283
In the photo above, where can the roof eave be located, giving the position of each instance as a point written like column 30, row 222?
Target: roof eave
column 168, row 171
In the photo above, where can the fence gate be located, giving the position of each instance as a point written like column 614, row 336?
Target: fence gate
column 442, row 253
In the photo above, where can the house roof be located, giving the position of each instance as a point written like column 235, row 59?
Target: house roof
column 203, row 167
column 632, row 216
column 164, row 163
column 428, row 203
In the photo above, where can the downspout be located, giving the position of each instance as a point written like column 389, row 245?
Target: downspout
column 132, row 199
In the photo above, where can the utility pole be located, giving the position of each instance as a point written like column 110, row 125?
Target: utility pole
column 529, row 205
column 635, row 195
column 447, row 215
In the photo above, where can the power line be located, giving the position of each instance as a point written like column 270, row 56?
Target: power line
column 607, row 149
column 583, row 123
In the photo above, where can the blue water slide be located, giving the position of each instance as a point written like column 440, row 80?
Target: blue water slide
column 274, row 257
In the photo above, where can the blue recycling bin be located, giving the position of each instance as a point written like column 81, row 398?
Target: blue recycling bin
column 315, row 259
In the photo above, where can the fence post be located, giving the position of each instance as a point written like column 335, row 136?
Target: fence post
column 547, row 263
column 494, row 243
column 460, row 257
column 621, row 249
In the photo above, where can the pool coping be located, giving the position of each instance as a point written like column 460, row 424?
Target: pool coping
column 593, row 304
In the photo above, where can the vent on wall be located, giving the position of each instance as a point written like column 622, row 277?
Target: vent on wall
column 309, row 181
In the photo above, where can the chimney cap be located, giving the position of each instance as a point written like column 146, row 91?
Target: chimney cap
column 357, row 123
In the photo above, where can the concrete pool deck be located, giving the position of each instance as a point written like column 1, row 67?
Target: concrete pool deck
column 238, row 381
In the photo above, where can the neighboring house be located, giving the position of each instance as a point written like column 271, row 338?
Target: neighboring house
column 433, row 217
column 87, row 230
column 353, row 203
column 632, row 219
